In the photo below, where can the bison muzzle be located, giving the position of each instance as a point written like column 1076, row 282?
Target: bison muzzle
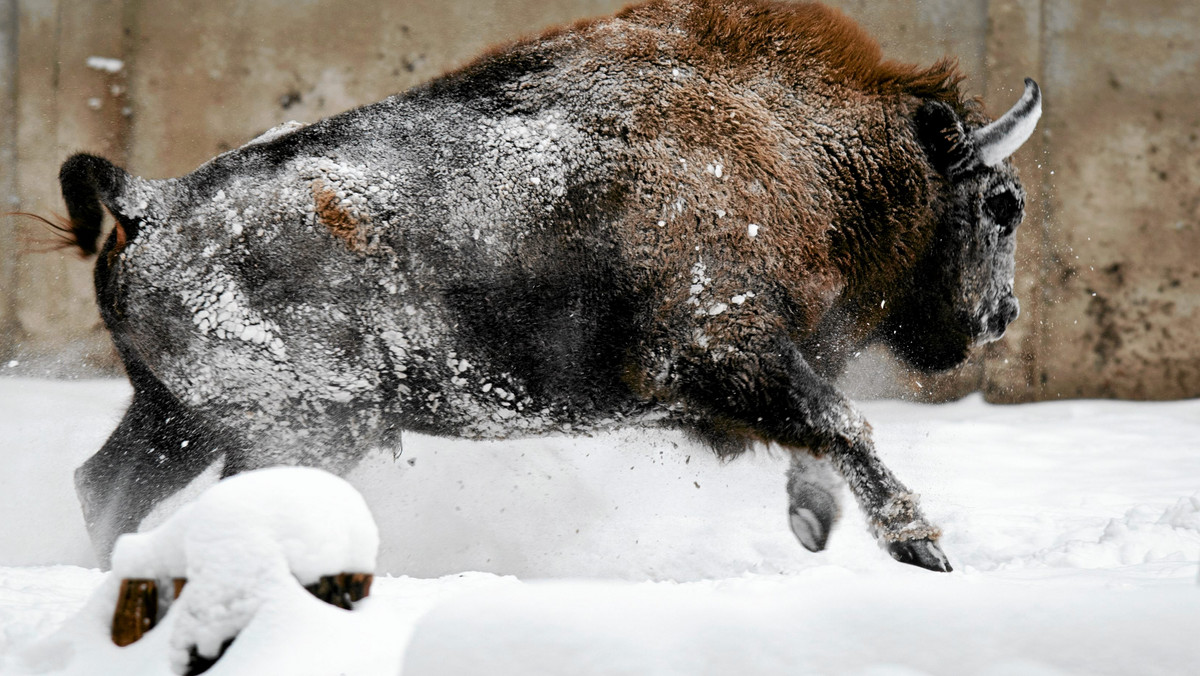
column 689, row 214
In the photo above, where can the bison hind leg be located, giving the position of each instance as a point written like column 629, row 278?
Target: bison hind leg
column 812, row 500
column 158, row 448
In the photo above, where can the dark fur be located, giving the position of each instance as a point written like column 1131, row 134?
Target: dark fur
column 693, row 212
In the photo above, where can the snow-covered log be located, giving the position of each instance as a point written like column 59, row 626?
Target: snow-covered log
column 242, row 541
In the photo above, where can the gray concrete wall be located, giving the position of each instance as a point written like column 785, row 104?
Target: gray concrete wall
column 1109, row 255
column 8, row 175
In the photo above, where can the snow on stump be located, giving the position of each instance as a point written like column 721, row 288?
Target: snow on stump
column 245, row 540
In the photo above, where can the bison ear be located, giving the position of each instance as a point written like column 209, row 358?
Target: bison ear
column 945, row 139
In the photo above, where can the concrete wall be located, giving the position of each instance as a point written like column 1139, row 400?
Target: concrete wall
column 1109, row 255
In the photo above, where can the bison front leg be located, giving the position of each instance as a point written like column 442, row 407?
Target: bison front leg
column 891, row 509
column 775, row 395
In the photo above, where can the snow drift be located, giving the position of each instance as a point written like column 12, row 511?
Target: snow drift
column 901, row 625
column 1073, row 528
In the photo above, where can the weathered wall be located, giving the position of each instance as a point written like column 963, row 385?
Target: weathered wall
column 52, row 313
column 8, row 174
column 1124, row 272
column 1108, row 271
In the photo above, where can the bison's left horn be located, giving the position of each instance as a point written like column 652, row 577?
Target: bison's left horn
column 1001, row 138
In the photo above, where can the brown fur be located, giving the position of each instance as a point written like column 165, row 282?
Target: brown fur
column 798, row 36
column 341, row 223
column 779, row 168
column 787, row 38
column 842, row 215
column 120, row 243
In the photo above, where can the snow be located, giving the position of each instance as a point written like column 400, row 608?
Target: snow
column 818, row 624
column 276, row 132
column 291, row 632
column 309, row 521
column 1073, row 527
column 104, row 64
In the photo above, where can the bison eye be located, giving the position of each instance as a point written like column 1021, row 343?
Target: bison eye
column 1005, row 211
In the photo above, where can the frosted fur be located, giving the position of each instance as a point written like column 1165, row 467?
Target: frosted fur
column 637, row 220
column 268, row 356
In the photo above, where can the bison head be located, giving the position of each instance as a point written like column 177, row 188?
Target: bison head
column 963, row 287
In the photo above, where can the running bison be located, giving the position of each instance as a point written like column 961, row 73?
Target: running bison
column 689, row 214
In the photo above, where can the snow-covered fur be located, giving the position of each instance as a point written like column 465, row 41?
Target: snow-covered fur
column 687, row 214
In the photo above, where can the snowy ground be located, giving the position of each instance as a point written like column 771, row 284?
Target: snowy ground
column 1073, row 527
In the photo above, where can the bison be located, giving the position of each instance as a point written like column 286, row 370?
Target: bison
column 688, row 214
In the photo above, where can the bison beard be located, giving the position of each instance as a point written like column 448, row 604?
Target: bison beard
column 688, row 214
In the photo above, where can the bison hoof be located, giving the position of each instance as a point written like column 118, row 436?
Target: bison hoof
column 812, row 509
column 812, row 522
column 808, row 528
column 923, row 552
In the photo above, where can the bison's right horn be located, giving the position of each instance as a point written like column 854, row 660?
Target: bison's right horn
column 1001, row 138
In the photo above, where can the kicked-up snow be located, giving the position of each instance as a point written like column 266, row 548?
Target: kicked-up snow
column 1073, row 527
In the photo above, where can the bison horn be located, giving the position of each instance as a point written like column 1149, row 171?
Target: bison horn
column 1001, row 138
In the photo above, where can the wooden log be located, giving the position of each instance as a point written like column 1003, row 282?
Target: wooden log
column 136, row 612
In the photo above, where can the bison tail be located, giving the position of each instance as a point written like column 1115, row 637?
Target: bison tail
column 89, row 182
